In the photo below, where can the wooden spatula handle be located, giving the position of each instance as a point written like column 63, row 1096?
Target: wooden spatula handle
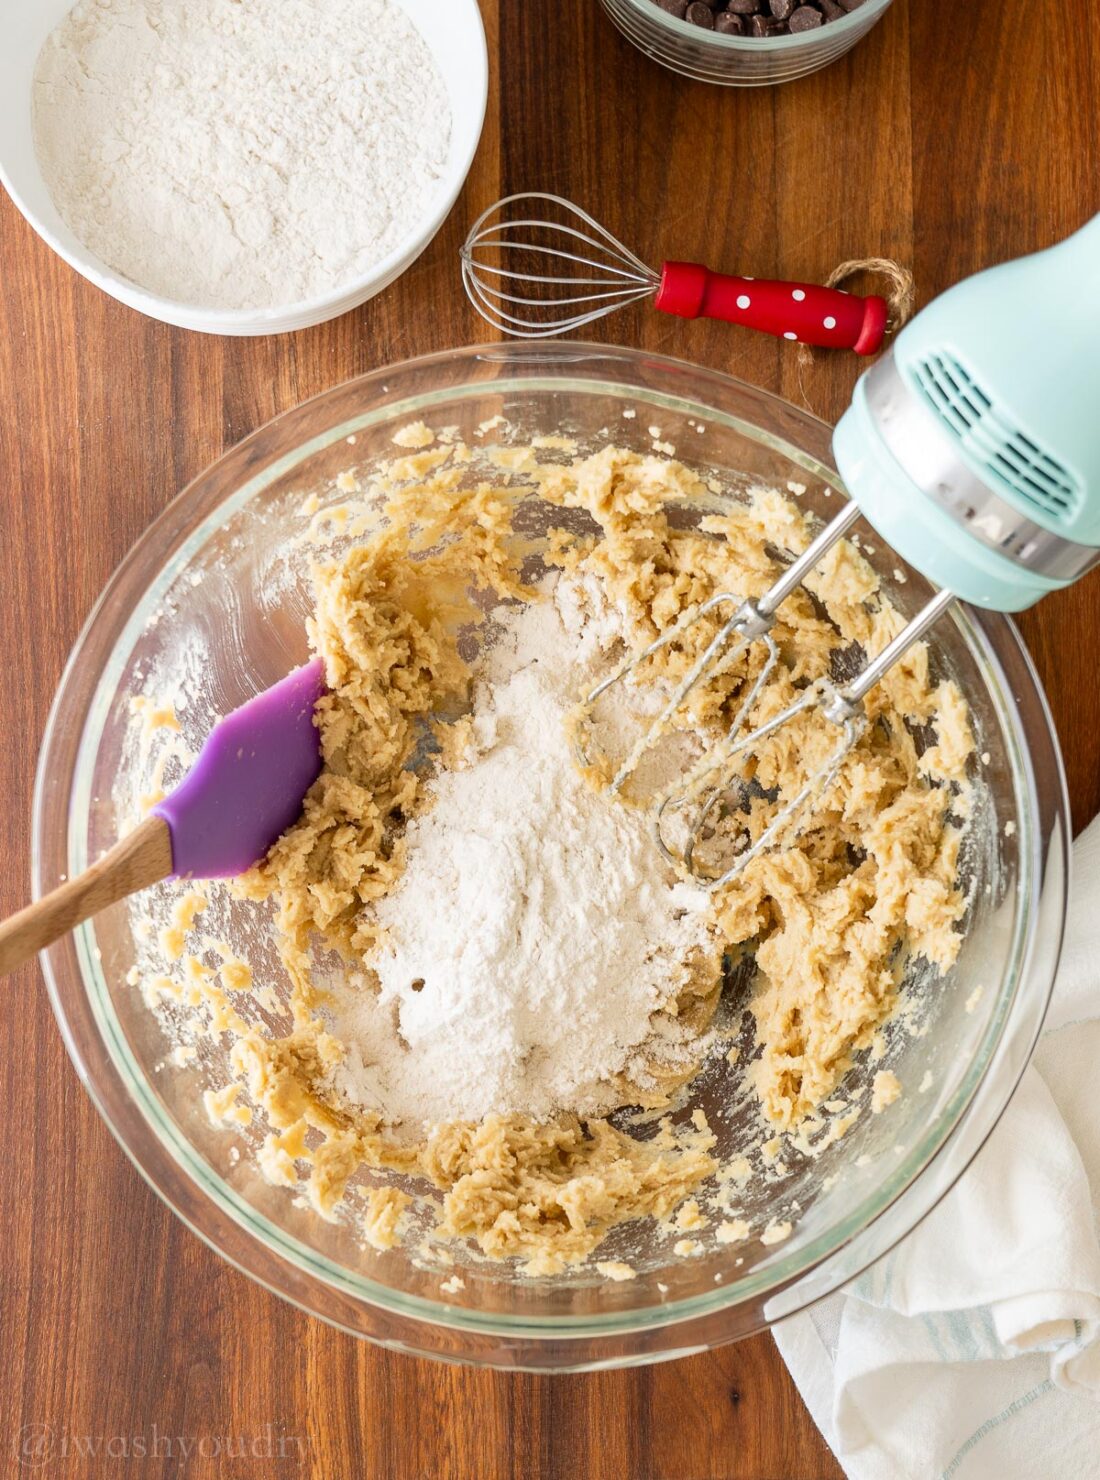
column 142, row 858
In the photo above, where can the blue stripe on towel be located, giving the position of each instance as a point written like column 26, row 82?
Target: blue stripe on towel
column 931, row 1326
column 1017, row 1406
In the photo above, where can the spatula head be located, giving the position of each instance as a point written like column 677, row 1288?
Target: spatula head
column 248, row 784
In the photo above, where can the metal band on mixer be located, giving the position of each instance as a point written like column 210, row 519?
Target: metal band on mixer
column 930, row 458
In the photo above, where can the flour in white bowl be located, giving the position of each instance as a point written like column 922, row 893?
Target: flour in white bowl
column 240, row 154
column 536, row 930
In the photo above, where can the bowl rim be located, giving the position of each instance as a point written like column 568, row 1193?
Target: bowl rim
column 304, row 312
column 687, row 32
column 285, row 1248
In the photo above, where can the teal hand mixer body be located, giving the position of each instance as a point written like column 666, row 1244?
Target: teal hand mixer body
column 973, row 448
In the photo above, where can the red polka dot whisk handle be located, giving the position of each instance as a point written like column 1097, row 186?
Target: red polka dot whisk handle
column 804, row 312
column 536, row 265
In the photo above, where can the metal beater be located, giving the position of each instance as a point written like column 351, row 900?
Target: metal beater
column 972, row 448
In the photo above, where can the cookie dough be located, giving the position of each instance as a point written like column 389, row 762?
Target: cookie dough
column 830, row 918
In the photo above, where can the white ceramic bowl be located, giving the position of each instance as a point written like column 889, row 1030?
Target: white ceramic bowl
column 451, row 28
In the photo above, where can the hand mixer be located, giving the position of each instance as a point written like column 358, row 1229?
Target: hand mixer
column 973, row 448
column 579, row 273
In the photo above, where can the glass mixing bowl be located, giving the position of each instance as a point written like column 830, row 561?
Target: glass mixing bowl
column 739, row 61
column 210, row 589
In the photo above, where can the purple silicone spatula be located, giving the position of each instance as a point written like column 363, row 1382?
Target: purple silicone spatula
column 245, row 789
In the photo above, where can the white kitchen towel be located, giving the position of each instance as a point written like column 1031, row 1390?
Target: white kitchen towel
column 972, row 1350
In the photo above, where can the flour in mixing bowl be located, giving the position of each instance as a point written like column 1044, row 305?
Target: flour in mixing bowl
column 236, row 154
column 535, row 931
column 452, row 898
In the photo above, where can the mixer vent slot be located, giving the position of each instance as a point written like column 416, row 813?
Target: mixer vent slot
column 1010, row 456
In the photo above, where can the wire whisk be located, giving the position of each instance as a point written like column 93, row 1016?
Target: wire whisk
column 610, row 271
column 536, row 265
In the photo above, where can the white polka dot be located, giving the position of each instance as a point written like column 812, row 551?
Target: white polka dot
column 830, row 322
column 789, row 335
column 743, row 300
column 798, row 295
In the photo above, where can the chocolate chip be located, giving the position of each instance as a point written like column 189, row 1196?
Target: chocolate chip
column 743, row 7
column 673, row 7
column 782, row 9
column 831, row 10
column 699, row 13
column 805, row 18
column 851, row 4
column 728, row 24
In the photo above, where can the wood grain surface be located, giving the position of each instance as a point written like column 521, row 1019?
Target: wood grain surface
column 948, row 144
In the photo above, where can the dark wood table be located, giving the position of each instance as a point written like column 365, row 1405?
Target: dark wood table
column 947, row 145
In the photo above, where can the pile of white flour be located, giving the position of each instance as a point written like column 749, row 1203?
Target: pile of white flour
column 240, row 154
column 536, row 929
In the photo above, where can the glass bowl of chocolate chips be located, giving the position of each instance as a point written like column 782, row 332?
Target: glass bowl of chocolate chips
column 745, row 43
